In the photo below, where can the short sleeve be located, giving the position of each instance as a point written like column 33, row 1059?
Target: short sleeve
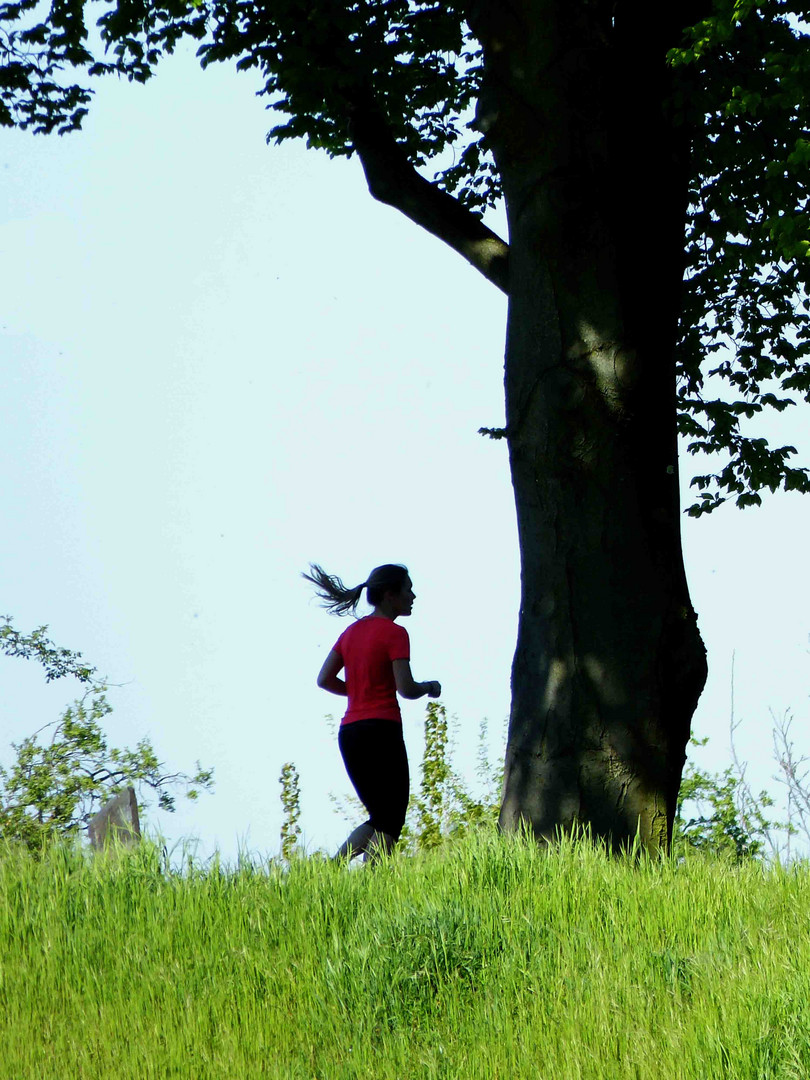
column 399, row 644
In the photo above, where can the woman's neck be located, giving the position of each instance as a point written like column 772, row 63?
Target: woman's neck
column 384, row 611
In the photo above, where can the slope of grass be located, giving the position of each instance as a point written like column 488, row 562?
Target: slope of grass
column 491, row 959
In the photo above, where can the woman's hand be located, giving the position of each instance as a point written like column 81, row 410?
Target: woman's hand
column 434, row 688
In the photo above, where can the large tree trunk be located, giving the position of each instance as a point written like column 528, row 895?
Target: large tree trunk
column 609, row 663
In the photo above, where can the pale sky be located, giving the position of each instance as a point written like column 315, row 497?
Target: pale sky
column 222, row 361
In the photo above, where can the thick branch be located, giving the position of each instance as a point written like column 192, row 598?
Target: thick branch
column 393, row 180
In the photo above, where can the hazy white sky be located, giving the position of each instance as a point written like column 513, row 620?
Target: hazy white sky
column 222, row 361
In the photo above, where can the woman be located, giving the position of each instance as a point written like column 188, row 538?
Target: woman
column 376, row 655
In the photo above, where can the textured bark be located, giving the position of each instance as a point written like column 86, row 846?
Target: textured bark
column 609, row 662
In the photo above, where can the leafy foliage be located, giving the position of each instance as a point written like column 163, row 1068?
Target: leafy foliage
column 56, row 661
column 318, row 62
column 444, row 805
column 34, row 56
column 746, row 319
column 729, row 820
column 741, row 86
column 54, row 787
column 291, row 805
column 436, row 775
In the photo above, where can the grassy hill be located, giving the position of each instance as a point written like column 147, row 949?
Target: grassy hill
column 490, row 958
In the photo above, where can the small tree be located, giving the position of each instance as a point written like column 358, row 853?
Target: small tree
column 54, row 787
column 444, row 805
column 434, row 792
column 730, row 820
column 291, row 805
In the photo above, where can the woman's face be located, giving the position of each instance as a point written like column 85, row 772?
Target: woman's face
column 405, row 597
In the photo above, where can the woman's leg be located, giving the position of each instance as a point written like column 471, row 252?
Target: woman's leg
column 377, row 763
column 356, row 844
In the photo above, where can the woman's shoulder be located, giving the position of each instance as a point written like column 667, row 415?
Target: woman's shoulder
column 397, row 632
column 380, row 627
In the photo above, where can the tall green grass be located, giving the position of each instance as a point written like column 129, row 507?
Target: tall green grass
column 491, row 958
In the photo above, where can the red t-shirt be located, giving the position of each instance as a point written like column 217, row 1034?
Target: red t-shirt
column 367, row 649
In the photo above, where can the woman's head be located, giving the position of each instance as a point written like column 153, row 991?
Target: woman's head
column 390, row 578
column 340, row 600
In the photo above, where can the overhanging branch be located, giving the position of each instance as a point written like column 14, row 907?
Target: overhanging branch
column 393, row 180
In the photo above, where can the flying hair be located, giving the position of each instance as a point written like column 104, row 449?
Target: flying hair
column 340, row 600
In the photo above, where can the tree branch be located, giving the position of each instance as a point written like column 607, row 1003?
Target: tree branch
column 394, row 181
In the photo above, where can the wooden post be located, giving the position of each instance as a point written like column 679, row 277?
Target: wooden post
column 117, row 820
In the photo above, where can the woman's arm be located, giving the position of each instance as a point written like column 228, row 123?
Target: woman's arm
column 328, row 675
column 407, row 687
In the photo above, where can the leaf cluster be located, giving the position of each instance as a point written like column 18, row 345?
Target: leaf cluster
column 740, row 87
column 727, row 821
column 57, row 783
column 745, row 341
column 57, row 661
column 34, row 56
column 291, row 806
column 414, row 62
column 444, row 806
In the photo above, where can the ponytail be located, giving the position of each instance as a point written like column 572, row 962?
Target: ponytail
column 336, row 598
column 334, row 595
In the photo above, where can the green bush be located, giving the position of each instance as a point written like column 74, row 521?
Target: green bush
column 57, row 782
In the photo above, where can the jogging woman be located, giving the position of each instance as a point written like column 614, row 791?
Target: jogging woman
column 375, row 653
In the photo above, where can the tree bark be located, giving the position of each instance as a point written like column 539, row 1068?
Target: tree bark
column 609, row 663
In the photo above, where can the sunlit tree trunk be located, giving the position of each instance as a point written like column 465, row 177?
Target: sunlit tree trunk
column 609, row 662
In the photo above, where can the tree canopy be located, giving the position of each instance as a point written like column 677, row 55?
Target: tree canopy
column 399, row 83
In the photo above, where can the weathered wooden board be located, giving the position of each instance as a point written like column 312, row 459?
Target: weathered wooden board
column 116, row 820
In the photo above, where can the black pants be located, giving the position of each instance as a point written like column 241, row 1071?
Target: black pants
column 373, row 752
